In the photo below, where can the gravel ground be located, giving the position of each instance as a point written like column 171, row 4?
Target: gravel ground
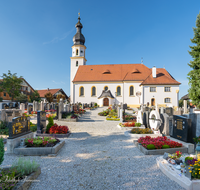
column 97, row 155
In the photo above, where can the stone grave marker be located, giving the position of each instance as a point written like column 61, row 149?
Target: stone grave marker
column 181, row 128
column 139, row 117
column 164, row 128
column 41, row 122
column 146, row 119
column 17, row 114
column 154, row 120
column 19, row 126
column 169, row 111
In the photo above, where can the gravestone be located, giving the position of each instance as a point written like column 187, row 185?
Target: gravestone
column 139, row 117
column 169, row 111
column 154, row 120
column 30, row 108
column 124, row 106
column 146, row 119
column 164, row 128
column 19, row 126
column 17, row 114
column 181, row 128
column 118, row 111
column 48, row 106
column 171, row 126
column 34, row 105
column 195, row 129
column 39, row 106
column 42, row 106
column 41, row 122
column 185, row 106
column 121, row 115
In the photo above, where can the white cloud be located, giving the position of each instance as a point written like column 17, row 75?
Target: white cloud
column 57, row 39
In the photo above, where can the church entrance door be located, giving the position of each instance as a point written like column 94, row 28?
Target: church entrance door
column 105, row 102
column 152, row 102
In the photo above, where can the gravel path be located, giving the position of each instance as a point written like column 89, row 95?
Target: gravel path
column 97, row 155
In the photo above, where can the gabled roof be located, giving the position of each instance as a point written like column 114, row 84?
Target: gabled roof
column 106, row 93
column 162, row 78
column 43, row 92
column 118, row 72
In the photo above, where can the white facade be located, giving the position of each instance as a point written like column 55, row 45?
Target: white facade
column 132, row 100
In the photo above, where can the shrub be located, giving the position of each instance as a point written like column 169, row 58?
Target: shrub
column 141, row 131
column 25, row 167
column 150, row 146
column 1, row 99
column 95, row 104
column 137, row 124
column 55, row 129
column 1, row 150
column 50, row 124
column 4, row 130
column 33, row 128
column 165, row 146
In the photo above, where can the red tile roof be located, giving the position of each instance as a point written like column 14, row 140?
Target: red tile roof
column 43, row 92
column 122, row 72
column 162, row 78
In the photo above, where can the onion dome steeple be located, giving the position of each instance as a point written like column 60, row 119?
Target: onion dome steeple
column 78, row 38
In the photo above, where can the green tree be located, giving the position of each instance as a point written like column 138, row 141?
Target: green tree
column 49, row 97
column 194, row 74
column 35, row 96
column 11, row 84
column 22, row 98
column 59, row 96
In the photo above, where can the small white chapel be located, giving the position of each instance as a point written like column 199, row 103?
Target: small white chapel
column 131, row 84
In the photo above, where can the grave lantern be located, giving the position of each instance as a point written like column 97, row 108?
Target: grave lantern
column 198, row 151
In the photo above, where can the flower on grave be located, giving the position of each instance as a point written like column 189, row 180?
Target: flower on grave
column 190, row 171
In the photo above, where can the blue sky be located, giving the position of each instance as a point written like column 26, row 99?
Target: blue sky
column 36, row 36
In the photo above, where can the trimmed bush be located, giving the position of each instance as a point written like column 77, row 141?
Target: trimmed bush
column 151, row 146
column 165, row 146
column 50, row 124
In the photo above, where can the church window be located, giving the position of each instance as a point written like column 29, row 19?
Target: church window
column 152, row 89
column 76, row 63
column 81, row 91
column 105, row 88
column 167, row 89
column 167, row 100
column 131, row 91
column 76, row 51
column 93, row 91
column 81, row 51
column 4, row 94
column 118, row 91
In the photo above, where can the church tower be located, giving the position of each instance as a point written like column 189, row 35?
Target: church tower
column 78, row 55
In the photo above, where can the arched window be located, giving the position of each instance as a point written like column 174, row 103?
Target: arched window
column 131, row 90
column 93, row 91
column 105, row 87
column 76, row 63
column 118, row 91
column 76, row 51
column 167, row 100
column 81, row 91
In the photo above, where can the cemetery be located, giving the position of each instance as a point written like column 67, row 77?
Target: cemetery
column 153, row 131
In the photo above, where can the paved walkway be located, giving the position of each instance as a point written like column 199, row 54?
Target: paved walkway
column 97, row 155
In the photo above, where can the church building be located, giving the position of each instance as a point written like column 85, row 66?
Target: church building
column 133, row 84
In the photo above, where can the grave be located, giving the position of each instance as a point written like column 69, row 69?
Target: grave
column 169, row 111
column 182, row 128
column 19, row 128
column 41, row 122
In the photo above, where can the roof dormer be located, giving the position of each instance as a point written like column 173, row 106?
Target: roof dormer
column 107, row 72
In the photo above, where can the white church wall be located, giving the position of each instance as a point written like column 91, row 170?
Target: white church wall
column 132, row 101
column 87, row 98
column 160, row 95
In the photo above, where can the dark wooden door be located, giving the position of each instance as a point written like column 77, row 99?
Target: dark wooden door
column 105, row 102
column 152, row 102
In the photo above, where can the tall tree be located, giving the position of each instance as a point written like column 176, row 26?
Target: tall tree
column 11, row 84
column 35, row 96
column 194, row 74
column 22, row 98
column 49, row 97
column 59, row 96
